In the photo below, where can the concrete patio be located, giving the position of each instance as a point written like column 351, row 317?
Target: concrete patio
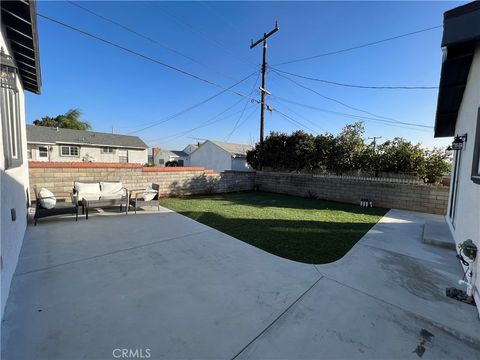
column 163, row 282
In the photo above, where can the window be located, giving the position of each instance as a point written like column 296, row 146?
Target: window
column 12, row 140
column 29, row 152
column 69, row 151
column 123, row 156
column 476, row 153
column 161, row 161
column 43, row 152
column 180, row 162
column 108, row 150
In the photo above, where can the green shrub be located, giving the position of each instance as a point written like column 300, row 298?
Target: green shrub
column 347, row 152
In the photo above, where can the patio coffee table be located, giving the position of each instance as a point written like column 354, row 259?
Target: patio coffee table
column 104, row 201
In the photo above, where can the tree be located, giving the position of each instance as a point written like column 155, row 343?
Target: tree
column 299, row 151
column 400, row 155
column 324, row 152
column 437, row 163
column 69, row 120
column 348, row 151
column 349, row 147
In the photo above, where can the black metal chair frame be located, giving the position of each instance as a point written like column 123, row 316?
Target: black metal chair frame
column 41, row 212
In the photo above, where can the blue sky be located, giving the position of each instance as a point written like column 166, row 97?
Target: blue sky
column 116, row 89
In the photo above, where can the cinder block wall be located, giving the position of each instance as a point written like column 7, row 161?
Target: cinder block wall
column 59, row 178
column 416, row 197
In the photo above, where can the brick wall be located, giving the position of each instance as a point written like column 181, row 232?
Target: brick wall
column 59, row 178
column 416, row 197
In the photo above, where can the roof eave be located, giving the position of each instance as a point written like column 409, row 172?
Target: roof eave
column 461, row 36
column 20, row 21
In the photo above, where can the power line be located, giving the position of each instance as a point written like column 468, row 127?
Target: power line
column 171, row 117
column 295, row 122
column 220, row 17
column 211, row 39
column 146, row 37
column 209, row 122
column 184, row 72
column 359, row 46
column 352, row 116
column 358, row 86
column 304, row 118
column 243, row 111
column 351, row 107
column 330, row 98
column 146, row 57
column 245, row 120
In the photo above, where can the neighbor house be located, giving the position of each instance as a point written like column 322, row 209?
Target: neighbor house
column 20, row 71
column 160, row 157
column 55, row 144
column 458, row 116
column 221, row 156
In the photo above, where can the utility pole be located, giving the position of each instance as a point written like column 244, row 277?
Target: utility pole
column 375, row 151
column 374, row 142
column 263, row 89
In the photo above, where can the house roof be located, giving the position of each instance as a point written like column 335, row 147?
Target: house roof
column 20, row 21
column 461, row 36
column 176, row 153
column 236, row 150
column 50, row 135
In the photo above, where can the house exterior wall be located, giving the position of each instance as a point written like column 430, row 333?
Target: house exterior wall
column 240, row 164
column 166, row 156
column 467, row 213
column 211, row 156
column 136, row 156
column 13, row 194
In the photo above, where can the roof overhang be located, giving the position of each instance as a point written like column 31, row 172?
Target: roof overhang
column 33, row 142
column 98, row 145
column 461, row 35
column 20, row 21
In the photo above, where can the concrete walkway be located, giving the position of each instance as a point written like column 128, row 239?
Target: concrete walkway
column 182, row 290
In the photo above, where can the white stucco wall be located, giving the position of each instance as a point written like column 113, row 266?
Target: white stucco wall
column 134, row 155
column 240, row 164
column 13, row 195
column 467, row 216
column 211, row 156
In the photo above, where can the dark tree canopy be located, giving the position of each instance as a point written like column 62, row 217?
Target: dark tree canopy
column 348, row 151
column 69, row 120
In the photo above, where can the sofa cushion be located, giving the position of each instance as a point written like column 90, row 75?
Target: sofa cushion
column 111, row 188
column 87, row 190
column 47, row 199
column 149, row 194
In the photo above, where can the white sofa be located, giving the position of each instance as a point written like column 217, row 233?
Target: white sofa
column 98, row 189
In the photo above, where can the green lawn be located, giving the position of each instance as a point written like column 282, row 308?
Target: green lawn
column 305, row 230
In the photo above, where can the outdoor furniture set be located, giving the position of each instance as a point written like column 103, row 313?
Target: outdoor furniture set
column 99, row 194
